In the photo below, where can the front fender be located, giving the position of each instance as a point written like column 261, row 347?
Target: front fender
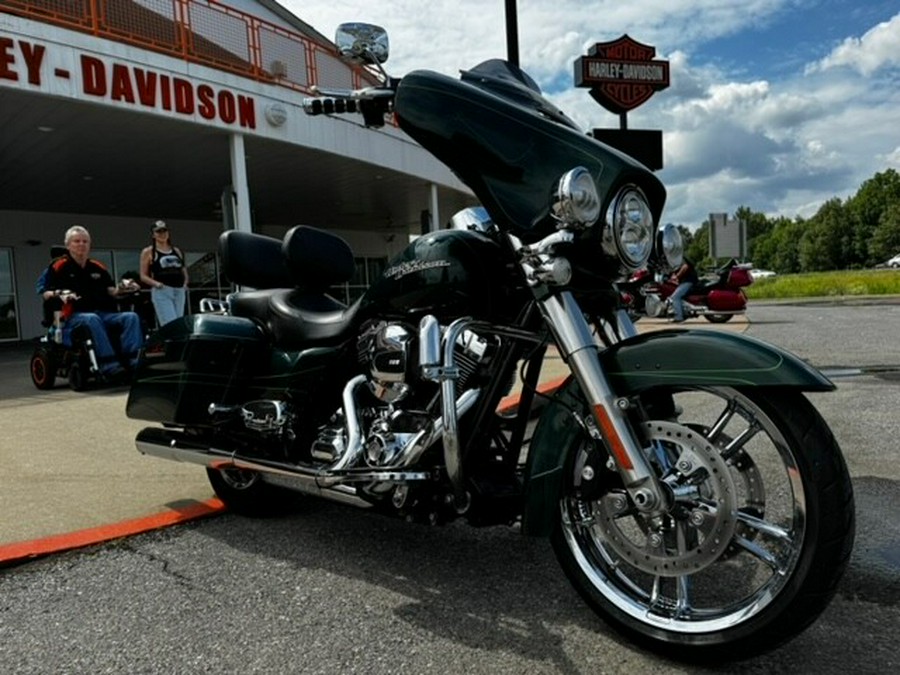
column 705, row 358
column 663, row 358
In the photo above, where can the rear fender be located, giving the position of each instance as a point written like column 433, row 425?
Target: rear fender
column 665, row 358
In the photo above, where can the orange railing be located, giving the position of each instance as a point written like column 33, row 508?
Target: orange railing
column 205, row 32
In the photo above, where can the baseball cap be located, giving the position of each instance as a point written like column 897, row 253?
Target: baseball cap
column 158, row 225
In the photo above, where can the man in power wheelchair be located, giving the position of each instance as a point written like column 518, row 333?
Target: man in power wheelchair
column 87, row 336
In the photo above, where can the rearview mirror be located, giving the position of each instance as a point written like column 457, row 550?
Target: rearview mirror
column 362, row 43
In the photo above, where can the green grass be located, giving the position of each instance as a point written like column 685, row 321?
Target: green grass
column 826, row 284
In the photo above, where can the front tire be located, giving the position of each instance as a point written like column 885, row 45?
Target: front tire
column 757, row 535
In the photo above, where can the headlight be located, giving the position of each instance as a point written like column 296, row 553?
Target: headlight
column 577, row 203
column 630, row 229
column 672, row 246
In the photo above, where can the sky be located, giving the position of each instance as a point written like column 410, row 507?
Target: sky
column 774, row 105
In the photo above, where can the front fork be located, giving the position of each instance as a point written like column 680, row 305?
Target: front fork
column 610, row 412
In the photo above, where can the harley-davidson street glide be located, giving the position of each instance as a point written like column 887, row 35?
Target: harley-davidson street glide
column 692, row 494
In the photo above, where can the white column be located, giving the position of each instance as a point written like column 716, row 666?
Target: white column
column 242, row 220
column 436, row 223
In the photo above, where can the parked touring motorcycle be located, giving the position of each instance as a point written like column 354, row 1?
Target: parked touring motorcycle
column 692, row 494
column 717, row 297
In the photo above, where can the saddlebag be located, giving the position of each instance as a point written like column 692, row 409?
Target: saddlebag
column 726, row 301
column 186, row 365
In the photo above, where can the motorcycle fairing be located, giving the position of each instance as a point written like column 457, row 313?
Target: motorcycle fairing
column 663, row 358
column 508, row 147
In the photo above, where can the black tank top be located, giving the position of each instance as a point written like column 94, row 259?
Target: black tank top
column 166, row 267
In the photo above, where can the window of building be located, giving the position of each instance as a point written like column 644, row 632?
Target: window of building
column 9, row 323
column 207, row 279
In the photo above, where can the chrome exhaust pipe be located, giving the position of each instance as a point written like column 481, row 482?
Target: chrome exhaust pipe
column 329, row 484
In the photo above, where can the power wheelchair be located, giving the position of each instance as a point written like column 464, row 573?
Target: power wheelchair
column 76, row 362
column 52, row 358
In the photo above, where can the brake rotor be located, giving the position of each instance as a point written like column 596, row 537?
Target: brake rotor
column 700, row 522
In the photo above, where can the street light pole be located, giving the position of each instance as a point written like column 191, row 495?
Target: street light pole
column 512, row 33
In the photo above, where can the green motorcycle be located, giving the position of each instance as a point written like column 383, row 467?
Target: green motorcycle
column 692, row 494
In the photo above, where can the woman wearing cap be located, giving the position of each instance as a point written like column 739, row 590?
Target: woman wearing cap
column 163, row 269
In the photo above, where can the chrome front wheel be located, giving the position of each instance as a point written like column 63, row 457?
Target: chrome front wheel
column 755, row 534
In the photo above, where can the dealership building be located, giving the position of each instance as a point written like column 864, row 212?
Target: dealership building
column 117, row 113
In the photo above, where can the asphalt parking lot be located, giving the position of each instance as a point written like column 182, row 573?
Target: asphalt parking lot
column 334, row 589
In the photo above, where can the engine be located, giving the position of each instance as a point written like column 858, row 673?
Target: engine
column 398, row 418
column 388, row 352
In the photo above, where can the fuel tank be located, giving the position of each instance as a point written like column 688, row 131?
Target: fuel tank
column 450, row 273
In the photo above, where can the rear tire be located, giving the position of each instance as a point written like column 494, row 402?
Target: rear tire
column 718, row 318
column 244, row 492
column 43, row 369
column 751, row 550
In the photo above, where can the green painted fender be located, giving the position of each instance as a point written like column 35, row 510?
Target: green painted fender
column 670, row 358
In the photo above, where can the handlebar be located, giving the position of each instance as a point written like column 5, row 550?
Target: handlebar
column 329, row 106
column 373, row 102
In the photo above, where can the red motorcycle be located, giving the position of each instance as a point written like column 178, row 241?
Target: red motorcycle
column 716, row 298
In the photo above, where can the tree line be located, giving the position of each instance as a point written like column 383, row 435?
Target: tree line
column 860, row 232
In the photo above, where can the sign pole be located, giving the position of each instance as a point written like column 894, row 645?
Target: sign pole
column 621, row 75
column 512, row 33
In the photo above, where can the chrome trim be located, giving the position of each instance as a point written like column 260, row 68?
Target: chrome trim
column 448, row 400
column 320, row 482
column 423, row 440
column 213, row 306
column 351, row 420
column 430, row 348
column 577, row 347
column 577, row 202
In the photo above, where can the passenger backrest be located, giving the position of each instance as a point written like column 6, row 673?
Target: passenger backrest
column 317, row 259
column 254, row 260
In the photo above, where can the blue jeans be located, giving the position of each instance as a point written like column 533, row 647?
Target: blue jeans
column 677, row 297
column 126, row 324
column 168, row 302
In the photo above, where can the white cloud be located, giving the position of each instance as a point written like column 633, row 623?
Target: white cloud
column 449, row 35
column 875, row 49
column 777, row 146
column 892, row 158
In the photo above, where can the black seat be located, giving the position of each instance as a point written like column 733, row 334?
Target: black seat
column 252, row 304
column 307, row 315
column 299, row 319
column 291, row 278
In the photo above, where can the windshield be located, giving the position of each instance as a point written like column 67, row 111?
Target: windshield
column 511, row 82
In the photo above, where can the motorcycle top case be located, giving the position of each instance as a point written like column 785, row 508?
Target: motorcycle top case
column 190, row 363
column 738, row 277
